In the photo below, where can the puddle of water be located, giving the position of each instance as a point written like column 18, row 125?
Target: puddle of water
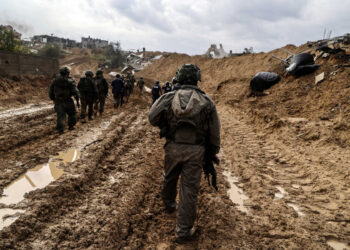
column 236, row 194
column 338, row 245
column 8, row 216
column 281, row 193
column 24, row 110
column 296, row 209
column 35, row 178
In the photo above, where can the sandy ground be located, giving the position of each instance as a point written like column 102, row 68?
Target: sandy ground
column 280, row 186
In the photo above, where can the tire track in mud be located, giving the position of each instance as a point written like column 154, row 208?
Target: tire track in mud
column 39, row 140
column 274, row 177
column 64, row 195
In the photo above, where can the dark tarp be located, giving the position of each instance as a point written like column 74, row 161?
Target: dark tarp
column 302, row 64
column 264, row 80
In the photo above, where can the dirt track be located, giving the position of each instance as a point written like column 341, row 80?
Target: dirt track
column 296, row 192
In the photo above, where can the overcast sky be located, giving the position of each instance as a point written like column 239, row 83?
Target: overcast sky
column 181, row 25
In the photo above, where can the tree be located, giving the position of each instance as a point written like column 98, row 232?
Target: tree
column 50, row 50
column 114, row 53
column 8, row 41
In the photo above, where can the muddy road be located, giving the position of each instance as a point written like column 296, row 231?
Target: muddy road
column 99, row 186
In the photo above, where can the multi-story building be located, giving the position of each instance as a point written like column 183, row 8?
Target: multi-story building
column 93, row 43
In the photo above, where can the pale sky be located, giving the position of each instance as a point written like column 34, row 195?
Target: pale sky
column 181, row 26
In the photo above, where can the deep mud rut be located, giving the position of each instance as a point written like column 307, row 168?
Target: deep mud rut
column 290, row 195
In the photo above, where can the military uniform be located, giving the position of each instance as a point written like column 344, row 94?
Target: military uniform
column 88, row 95
column 190, row 123
column 140, row 84
column 102, row 88
column 61, row 90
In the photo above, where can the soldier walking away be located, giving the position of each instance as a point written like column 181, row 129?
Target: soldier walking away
column 131, row 79
column 118, row 91
column 189, row 121
column 156, row 91
column 140, row 84
column 102, row 88
column 167, row 88
column 88, row 94
column 61, row 91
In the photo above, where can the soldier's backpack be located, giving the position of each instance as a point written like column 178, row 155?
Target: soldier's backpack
column 190, row 110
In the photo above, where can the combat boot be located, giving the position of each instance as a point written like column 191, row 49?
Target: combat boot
column 184, row 239
column 83, row 120
column 90, row 118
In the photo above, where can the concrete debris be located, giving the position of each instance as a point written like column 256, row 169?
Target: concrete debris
column 215, row 52
column 319, row 78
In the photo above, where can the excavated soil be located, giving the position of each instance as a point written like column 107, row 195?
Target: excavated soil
column 284, row 180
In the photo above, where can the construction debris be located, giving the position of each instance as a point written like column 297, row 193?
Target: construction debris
column 319, row 78
column 215, row 52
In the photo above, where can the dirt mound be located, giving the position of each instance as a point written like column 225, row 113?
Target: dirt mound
column 227, row 80
column 17, row 91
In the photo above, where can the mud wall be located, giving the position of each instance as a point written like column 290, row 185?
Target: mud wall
column 19, row 64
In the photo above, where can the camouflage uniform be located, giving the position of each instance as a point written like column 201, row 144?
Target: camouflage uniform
column 88, row 94
column 102, row 87
column 140, row 84
column 61, row 90
column 188, row 119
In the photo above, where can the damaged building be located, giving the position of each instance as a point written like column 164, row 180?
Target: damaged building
column 93, row 43
column 62, row 42
column 16, row 34
column 215, row 52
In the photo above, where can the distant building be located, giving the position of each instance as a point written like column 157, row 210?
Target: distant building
column 62, row 42
column 16, row 34
column 93, row 43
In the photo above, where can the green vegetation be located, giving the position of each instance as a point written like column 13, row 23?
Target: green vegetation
column 9, row 43
column 115, row 54
column 50, row 50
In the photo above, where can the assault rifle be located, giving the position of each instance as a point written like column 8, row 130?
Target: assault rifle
column 208, row 166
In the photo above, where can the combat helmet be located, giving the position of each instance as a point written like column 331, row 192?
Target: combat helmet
column 189, row 74
column 64, row 71
column 89, row 73
column 99, row 72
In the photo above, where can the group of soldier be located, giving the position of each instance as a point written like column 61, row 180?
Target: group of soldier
column 157, row 90
column 90, row 94
column 186, row 117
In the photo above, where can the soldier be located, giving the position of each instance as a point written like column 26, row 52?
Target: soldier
column 88, row 94
column 118, row 91
column 102, row 87
column 156, row 92
column 176, row 85
column 189, row 121
column 140, row 84
column 131, row 79
column 167, row 87
column 61, row 91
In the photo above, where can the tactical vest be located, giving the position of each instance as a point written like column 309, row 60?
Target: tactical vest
column 62, row 89
column 99, row 84
column 86, row 86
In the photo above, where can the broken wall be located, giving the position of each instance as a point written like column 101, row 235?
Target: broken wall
column 19, row 64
